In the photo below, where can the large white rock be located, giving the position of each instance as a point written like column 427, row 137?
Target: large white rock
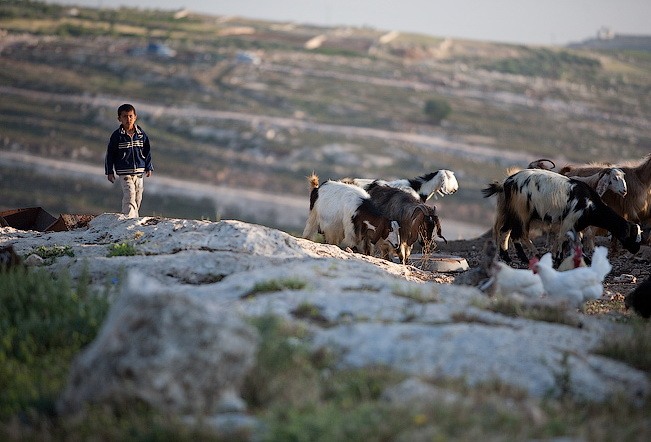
column 170, row 350
column 367, row 310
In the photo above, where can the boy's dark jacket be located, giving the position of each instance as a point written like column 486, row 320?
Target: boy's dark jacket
column 128, row 156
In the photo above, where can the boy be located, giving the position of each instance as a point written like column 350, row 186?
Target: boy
column 129, row 154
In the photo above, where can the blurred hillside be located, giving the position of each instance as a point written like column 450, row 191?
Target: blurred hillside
column 259, row 105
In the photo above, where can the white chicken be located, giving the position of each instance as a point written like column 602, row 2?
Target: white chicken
column 507, row 280
column 576, row 285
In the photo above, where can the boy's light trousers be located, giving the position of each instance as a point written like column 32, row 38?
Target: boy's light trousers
column 132, row 186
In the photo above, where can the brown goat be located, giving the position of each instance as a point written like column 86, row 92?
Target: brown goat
column 636, row 206
column 417, row 220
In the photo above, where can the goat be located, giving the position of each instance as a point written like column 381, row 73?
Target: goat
column 604, row 180
column 636, row 207
column 417, row 220
column 608, row 179
column 347, row 216
column 442, row 182
column 532, row 195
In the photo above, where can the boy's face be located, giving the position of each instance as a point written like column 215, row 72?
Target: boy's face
column 128, row 119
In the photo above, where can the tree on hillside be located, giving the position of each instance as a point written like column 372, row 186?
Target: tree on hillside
column 437, row 109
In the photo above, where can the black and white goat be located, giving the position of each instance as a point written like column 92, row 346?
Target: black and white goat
column 346, row 216
column 442, row 182
column 537, row 195
column 417, row 220
column 637, row 204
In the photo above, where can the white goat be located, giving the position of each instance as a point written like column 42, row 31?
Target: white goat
column 347, row 216
column 442, row 182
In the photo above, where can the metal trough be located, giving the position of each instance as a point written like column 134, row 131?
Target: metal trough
column 36, row 218
column 438, row 262
column 31, row 218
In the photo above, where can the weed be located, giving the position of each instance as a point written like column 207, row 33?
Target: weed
column 535, row 311
column 275, row 285
column 284, row 373
column 415, row 293
column 122, row 249
column 311, row 312
column 50, row 253
column 632, row 347
column 563, row 377
column 45, row 321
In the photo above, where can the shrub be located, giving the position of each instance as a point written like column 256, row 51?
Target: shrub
column 437, row 109
column 122, row 249
column 44, row 321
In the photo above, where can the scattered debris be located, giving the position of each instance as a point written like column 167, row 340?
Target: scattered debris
column 36, row 218
column 625, row 278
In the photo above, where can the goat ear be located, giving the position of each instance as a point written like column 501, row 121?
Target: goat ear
column 602, row 185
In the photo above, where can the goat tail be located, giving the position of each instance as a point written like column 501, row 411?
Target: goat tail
column 493, row 188
column 313, row 180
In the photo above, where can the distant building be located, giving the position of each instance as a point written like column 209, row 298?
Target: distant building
column 605, row 33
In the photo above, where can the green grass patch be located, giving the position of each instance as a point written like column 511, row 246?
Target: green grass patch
column 122, row 249
column 632, row 346
column 275, row 285
column 44, row 321
column 542, row 62
column 50, row 253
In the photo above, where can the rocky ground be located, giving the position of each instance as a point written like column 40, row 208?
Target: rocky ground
column 366, row 311
column 628, row 270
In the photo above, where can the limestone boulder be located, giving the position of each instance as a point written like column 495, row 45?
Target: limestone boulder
column 168, row 349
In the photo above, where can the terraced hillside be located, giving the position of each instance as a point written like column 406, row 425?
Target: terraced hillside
column 243, row 104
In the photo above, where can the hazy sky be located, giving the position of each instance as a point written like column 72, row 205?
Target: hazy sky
column 544, row 22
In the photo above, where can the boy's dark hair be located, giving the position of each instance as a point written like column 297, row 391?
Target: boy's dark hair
column 126, row 107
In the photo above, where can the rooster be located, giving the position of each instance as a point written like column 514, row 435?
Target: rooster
column 577, row 285
column 576, row 257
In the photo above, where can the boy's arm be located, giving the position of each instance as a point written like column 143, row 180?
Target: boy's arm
column 149, row 167
column 108, row 161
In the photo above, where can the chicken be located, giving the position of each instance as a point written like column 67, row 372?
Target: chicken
column 575, row 250
column 507, row 280
column 577, row 285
